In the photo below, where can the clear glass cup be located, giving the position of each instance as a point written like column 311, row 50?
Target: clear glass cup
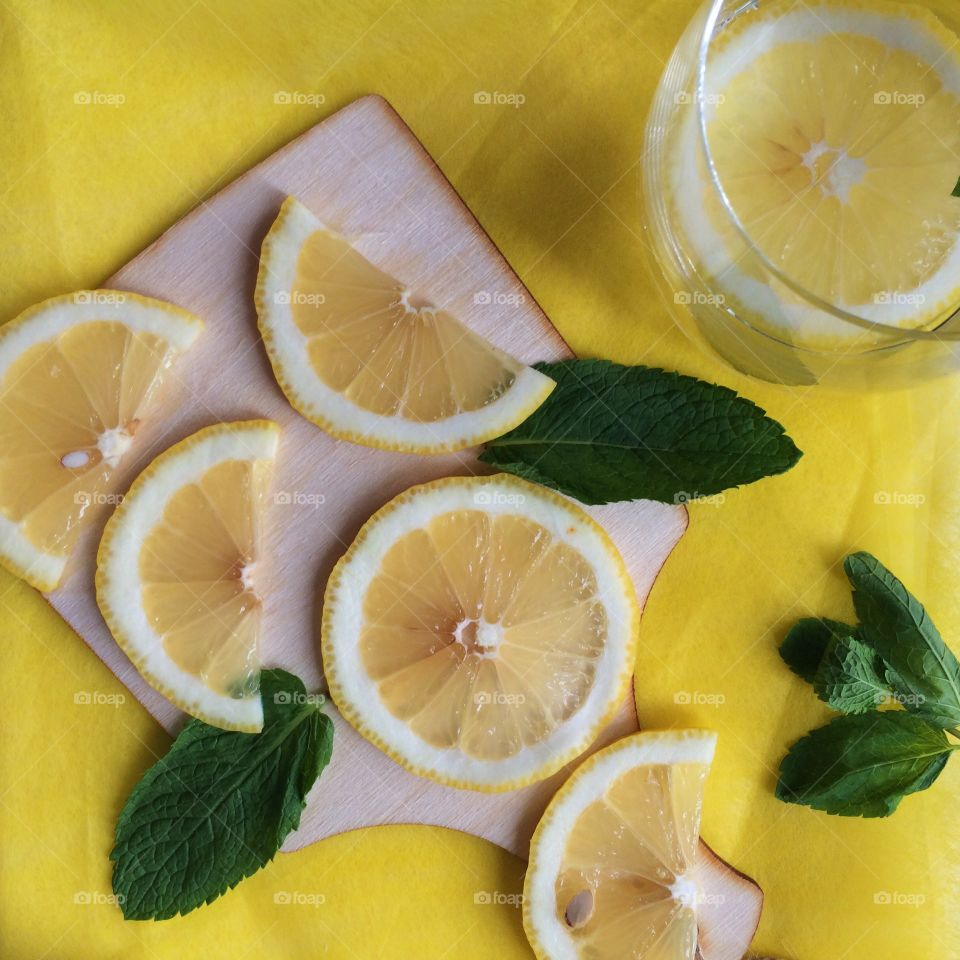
column 724, row 287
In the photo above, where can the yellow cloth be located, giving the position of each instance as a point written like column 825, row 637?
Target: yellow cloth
column 85, row 185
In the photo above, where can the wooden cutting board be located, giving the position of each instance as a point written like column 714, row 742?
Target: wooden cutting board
column 363, row 172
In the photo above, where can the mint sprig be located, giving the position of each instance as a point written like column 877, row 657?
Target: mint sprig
column 610, row 432
column 863, row 766
column 921, row 666
column 219, row 804
column 864, row 763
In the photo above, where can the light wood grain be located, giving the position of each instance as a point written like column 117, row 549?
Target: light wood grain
column 363, row 172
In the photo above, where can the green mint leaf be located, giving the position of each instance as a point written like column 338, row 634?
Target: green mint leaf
column 921, row 667
column 806, row 643
column 956, row 190
column 851, row 676
column 863, row 766
column 610, row 432
column 218, row 806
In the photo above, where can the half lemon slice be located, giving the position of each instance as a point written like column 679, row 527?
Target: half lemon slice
column 177, row 571
column 480, row 630
column 359, row 354
column 616, row 869
column 77, row 377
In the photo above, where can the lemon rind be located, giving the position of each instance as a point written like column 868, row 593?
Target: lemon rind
column 43, row 322
column 549, row 937
column 355, row 695
column 311, row 398
column 117, row 578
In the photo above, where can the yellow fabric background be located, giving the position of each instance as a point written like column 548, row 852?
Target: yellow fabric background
column 83, row 187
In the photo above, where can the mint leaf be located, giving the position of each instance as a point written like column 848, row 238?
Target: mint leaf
column 806, row 643
column 921, row 667
column 851, row 676
column 610, row 432
column 863, row 766
column 218, row 806
column 956, row 190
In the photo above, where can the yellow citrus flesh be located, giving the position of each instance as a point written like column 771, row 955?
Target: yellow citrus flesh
column 628, row 849
column 381, row 354
column 196, row 567
column 71, row 402
column 479, row 630
column 177, row 571
column 834, row 128
column 613, row 861
column 367, row 359
column 464, row 620
column 839, row 154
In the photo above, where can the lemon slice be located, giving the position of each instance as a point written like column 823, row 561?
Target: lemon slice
column 77, row 377
column 615, row 863
column 833, row 129
column 176, row 571
column 357, row 353
column 480, row 630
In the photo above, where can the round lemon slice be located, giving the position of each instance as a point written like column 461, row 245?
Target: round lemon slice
column 177, row 571
column 78, row 374
column 833, row 129
column 614, row 862
column 481, row 631
column 359, row 354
